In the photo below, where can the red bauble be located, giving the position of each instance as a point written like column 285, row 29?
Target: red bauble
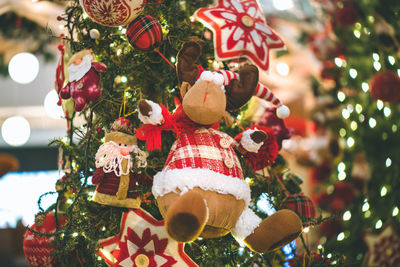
column 144, row 33
column 321, row 172
column 330, row 71
column 302, row 205
column 332, row 227
column 347, row 16
column 385, row 86
column 38, row 250
column 344, row 191
column 112, row 13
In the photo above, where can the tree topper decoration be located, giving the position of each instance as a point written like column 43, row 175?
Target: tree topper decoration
column 240, row 30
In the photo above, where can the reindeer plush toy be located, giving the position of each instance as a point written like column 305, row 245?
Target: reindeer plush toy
column 201, row 190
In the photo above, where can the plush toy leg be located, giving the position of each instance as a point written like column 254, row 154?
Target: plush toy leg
column 275, row 231
column 186, row 217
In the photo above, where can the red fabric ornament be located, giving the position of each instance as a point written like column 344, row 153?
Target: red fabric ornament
column 240, row 30
column 266, row 154
column 112, row 13
column 347, row 16
column 321, row 173
column 302, row 205
column 345, row 191
column 331, row 228
column 277, row 125
column 144, row 33
column 330, row 71
column 385, row 86
column 37, row 249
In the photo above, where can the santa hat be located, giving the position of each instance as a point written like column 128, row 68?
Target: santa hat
column 122, row 125
column 261, row 91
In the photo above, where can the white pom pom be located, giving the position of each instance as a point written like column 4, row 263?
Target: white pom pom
column 282, row 112
column 206, row 76
column 218, row 79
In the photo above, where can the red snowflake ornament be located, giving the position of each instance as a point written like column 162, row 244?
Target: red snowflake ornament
column 240, row 30
column 383, row 248
column 143, row 242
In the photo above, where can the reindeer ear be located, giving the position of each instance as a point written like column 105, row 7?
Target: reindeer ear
column 238, row 92
column 185, row 86
column 187, row 70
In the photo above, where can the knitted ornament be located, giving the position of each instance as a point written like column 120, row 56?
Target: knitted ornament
column 117, row 183
column 266, row 154
column 347, row 16
column 383, row 248
column 302, row 205
column 112, row 13
column 84, row 79
column 385, row 86
column 144, row 33
column 240, row 30
column 38, row 250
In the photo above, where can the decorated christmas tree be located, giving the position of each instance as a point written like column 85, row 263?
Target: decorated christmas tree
column 153, row 92
column 359, row 93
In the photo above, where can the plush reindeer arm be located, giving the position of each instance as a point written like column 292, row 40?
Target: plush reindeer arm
column 251, row 141
column 150, row 112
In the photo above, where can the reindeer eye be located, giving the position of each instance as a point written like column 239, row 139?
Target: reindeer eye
column 119, row 144
column 125, row 145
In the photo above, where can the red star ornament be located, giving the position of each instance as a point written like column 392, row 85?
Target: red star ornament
column 143, row 242
column 240, row 30
column 383, row 248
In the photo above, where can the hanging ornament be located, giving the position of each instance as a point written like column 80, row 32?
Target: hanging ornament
column 143, row 242
column 117, row 184
column 94, row 34
column 144, row 33
column 83, row 80
column 383, row 248
column 347, row 15
column 240, row 30
column 302, row 205
column 385, row 86
column 37, row 249
column 112, row 13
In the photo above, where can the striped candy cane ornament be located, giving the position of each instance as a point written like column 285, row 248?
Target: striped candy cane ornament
column 262, row 92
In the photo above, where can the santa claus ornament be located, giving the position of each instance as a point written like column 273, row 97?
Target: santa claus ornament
column 83, row 81
column 117, row 184
column 38, row 250
column 240, row 30
column 143, row 242
column 112, row 13
column 201, row 190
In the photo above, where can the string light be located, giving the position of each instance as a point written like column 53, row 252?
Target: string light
column 347, row 216
column 379, row 104
column 341, row 167
column 377, row 66
column 306, row 230
column 394, row 128
column 16, row 131
column 353, row 73
column 339, row 62
column 340, row 236
column 365, row 87
column 124, row 79
column 357, row 34
column 367, row 214
column 383, row 191
column 341, row 96
column 395, row 211
column 387, row 112
column 353, row 125
column 391, row 60
column 375, row 56
column 350, row 141
column 345, row 114
column 75, row 234
column 282, row 68
column 329, row 255
column 342, row 132
column 341, row 176
column 371, row 19
column 388, row 162
column 378, row 224
column 372, row 122
column 365, row 207
column 361, row 118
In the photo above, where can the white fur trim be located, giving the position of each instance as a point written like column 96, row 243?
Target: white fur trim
column 186, row 179
column 214, row 77
column 155, row 117
column 246, row 224
column 76, row 72
column 282, row 112
column 248, row 143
